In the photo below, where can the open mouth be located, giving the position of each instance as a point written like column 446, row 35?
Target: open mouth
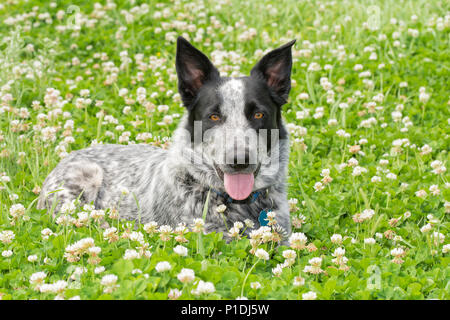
column 238, row 185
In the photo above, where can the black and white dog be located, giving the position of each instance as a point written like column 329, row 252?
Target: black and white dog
column 230, row 144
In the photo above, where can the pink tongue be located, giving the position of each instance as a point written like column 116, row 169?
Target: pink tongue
column 239, row 186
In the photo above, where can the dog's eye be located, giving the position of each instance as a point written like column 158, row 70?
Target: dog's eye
column 258, row 115
column 214, row 117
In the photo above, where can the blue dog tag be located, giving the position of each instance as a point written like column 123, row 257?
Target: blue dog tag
column 263, row 218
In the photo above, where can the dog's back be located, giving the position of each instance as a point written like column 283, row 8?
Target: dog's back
column 100, row 175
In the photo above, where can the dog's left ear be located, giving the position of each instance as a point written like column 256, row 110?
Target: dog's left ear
column 275, row 69
column 194, row 69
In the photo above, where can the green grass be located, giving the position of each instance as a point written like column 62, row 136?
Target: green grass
column 36, row 55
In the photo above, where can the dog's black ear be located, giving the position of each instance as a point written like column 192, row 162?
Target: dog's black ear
column 194, row 69
column 275, row 69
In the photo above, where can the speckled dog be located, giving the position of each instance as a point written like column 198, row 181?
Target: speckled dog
column 213, row 152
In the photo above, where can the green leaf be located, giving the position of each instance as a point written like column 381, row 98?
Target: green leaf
column 122, row 268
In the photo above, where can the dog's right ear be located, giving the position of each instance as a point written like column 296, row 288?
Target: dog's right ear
column 194, row 69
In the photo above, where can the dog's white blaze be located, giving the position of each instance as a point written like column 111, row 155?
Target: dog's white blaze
column 233, row 95
column 234, row 130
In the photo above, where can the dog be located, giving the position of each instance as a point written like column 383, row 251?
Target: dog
column 213, row 155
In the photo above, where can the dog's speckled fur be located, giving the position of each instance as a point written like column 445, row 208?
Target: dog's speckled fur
column 166, row 186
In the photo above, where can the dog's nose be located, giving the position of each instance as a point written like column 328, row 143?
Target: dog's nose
column 241, row 161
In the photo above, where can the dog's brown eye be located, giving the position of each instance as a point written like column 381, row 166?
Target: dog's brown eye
column 214, row 117
column 258, row 115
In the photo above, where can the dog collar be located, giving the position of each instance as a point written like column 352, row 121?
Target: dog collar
column 251, row 198
column 262, row 217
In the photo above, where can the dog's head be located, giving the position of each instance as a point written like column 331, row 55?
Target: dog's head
column 234, row 124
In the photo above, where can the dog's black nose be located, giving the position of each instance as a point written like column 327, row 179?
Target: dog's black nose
column 241, row 161
column 239, row 166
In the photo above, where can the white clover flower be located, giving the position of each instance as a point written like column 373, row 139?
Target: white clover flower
column 165, row 232
column 437, row 237
column 357, row 171
column 151, row 227
column 163, row 266
column 342, row 133
column 447, row 206
column 221, row 208
column 391, row 176
column 234, row 232
column 131, row 254
column 332, row 122
column 94, row 251
column 57, row 287
column 88, row 207
column 426, row 228
column 37, row 279
column 298, row 281
column 421, row 194
column 434, row 189
column 369, row 241
column 32, row 258
column 17, row 210
column 7, row 253
column 109, row 282
column 316, row 261
column 186, row 275
column 7, row 236
column 426, row 149
column 352, row 162
column 336, row 238
column 446, row 248
column 432, row 219
column 318, row 186
column 439, row 170
column 249, row 223
column 110, row 234
column 99, row 270
column 255, row 285
column 239, row 225
column 137, row 236
column 262, row 254
column 311, row 295
column 198, row 225
column 278, row 270
column 297, row 240
column 136, row 271
column 303, row 96
column 315, row 266
column 181, row 250
column 68, row 207
column 174, row 294
column 338, row 252
column 375, row 179
column 397, row 253
column 124, row 191
column 204, row 288
column 289, row 254
column 424, row 97
column 367, row 214
column 435, row 164
column 343, row 105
